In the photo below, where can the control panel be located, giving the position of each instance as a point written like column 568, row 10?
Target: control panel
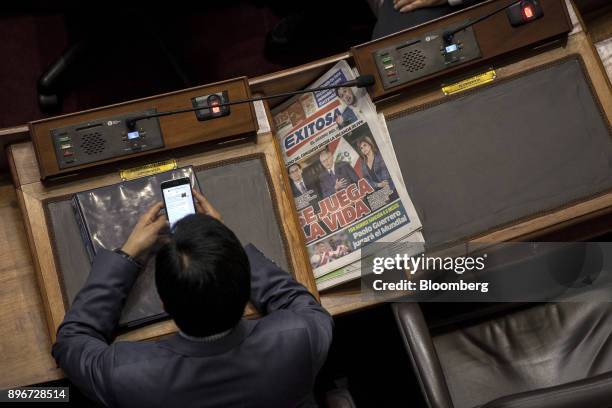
column 105, row 139
column 419, row 57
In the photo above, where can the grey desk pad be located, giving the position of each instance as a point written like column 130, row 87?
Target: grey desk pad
column 238, row 189
column 505, row 152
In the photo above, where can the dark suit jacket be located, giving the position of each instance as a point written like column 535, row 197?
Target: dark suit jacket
column 342, row 170
column 296, row 191
column 269, row 362
column 378, row 173
column 348, row 117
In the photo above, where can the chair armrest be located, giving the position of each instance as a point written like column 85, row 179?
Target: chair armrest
column 422, row 353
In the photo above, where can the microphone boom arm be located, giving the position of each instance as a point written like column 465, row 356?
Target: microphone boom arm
column 360, row 82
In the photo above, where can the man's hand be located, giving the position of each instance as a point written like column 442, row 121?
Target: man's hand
column 341, row 183
column 146, row 232
column 405, row 6
column 204, row 207
column 383, row 184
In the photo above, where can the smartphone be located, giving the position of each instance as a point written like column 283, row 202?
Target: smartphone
column 177, row 199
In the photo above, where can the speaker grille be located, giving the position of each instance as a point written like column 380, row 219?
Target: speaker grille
column 413, row 60
column 92, row 143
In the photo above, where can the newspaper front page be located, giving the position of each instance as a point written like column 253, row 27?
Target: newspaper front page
column 344, row 177
column 353, row 270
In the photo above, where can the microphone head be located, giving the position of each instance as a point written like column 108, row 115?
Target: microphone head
column 130, row 124
column 363, row 81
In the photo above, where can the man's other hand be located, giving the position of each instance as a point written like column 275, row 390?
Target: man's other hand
column 146, row 232
column 341, row 183
column 405, row 6
column 204, row 207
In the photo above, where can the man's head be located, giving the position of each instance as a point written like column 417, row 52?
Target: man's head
column 295, row 172
column 326, row 159
column 346, row 94
column 322, row 247
column 203, row 276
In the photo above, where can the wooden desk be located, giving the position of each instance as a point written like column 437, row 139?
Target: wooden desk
column 25, row 343
column 25, row 350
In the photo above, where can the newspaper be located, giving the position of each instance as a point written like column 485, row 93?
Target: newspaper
column 344, row 178
column 353, row 271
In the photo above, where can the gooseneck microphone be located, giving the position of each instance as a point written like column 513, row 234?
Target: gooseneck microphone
column 362, row 81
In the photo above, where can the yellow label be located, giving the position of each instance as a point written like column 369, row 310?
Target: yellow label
column 470, row 83
column 148, row 169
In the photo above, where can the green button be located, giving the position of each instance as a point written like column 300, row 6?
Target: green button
column 386, row 60
column 64, row 139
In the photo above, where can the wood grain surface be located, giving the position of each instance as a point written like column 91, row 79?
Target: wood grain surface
column 25, row 345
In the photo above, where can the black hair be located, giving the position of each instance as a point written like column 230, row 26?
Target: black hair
column 203, row 276
column 294, row 164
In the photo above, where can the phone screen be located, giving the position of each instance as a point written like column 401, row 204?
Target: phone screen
column 179, row 202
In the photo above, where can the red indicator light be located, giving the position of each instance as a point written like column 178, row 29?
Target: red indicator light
column 528, row 12
column 215, row 108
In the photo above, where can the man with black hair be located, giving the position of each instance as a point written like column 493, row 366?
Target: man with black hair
column 204, row 278
column 298, row 184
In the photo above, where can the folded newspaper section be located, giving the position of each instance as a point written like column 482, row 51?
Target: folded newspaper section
column 344, row 176
column 106, row 217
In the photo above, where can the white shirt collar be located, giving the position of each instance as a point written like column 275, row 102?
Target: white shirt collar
column 206, row 339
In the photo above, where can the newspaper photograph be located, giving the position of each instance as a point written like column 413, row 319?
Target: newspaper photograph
column 346, row 188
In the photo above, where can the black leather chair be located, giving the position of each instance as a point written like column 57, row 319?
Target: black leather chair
column 546, row 355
